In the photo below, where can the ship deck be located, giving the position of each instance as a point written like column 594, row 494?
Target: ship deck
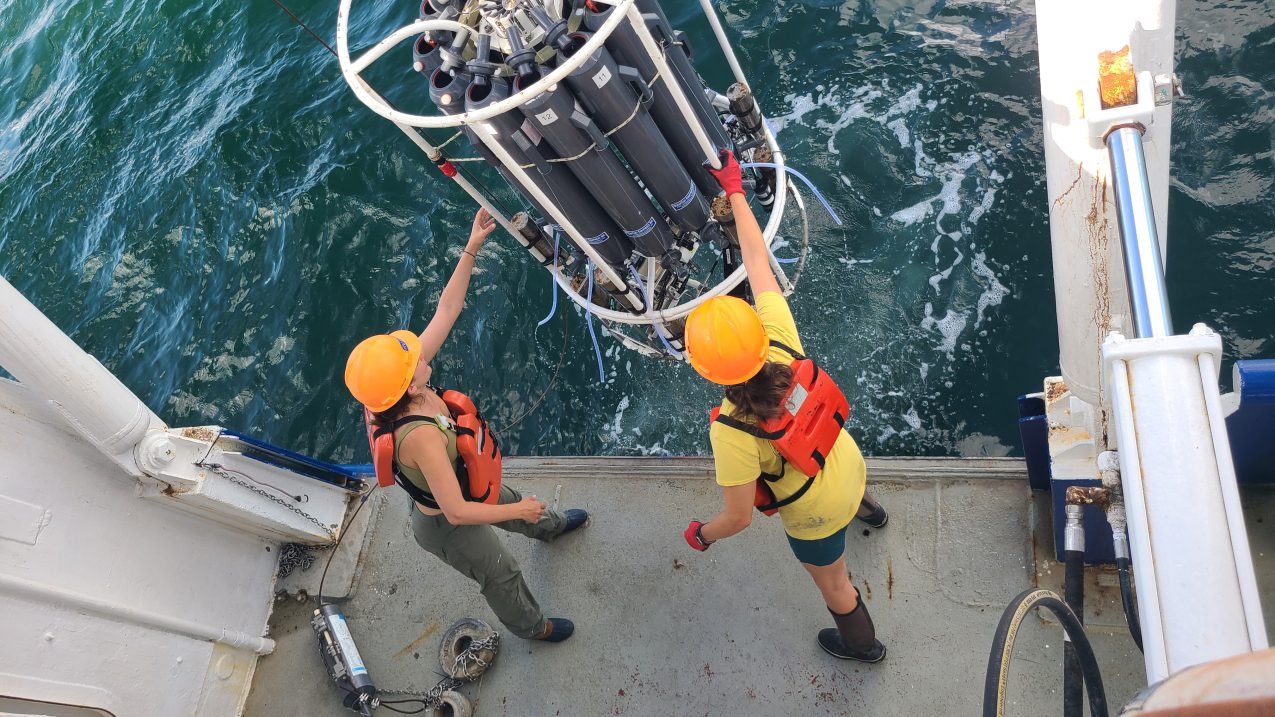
column 664, row 630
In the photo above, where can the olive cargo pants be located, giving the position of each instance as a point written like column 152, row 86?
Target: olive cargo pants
column 476, row 552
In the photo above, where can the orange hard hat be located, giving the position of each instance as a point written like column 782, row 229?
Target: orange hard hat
column 381, row 367
column 725, row 340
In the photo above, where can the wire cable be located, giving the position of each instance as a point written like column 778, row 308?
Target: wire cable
column 362, row 501
column 472, row 179
column 562, row 354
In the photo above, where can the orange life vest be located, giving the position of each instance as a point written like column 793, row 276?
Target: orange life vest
column 477, row 451
column 814, row 411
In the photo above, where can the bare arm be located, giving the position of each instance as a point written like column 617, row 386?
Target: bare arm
column 752, row 246
column 453, row 298
column 426, row 450
column 736, row 516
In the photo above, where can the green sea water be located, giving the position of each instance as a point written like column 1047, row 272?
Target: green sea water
column 191, row 191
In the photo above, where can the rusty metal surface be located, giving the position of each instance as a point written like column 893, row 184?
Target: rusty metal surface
column 1095, row 496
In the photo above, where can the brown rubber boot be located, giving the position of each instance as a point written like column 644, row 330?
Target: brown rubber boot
column 854, row 637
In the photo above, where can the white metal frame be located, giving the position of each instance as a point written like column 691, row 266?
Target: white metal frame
column 625, row 11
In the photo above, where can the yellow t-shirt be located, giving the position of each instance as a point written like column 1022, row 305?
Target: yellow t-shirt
column 833, row 499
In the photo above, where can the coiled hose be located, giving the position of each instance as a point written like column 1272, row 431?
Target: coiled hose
column 1003, row 648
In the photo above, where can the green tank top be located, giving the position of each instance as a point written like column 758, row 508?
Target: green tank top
column 449, row 432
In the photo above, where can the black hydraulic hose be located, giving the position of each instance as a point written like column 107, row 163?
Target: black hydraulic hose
column 1074, row 591
column 1003, row 648
column 1130, row 605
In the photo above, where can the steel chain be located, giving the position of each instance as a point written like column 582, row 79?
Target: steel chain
column 433, row 697
column 219, row 470
column 295, row 555
column 470, row 654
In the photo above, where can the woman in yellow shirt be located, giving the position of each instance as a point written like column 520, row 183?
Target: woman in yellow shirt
column 749, row 352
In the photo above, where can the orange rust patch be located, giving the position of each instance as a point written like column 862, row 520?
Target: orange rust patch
column 1054, row 390
column 433, row 628
column 1117, row 86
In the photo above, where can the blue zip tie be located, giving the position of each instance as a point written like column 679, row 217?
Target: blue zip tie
column 802, row 177
column 553, row 282
column 588, row 312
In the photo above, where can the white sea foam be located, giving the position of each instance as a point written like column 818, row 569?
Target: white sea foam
column 994, row 291
column 949, row 327
column 958, row 187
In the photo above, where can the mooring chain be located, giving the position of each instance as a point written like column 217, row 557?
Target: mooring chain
column 470, row 654
column 295, row 555
column 433, row 697
column 221, row 471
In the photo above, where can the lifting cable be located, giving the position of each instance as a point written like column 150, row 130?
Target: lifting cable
column 441, row 158
column 553, row 380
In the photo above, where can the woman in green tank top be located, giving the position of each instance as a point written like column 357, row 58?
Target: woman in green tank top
column 390, row 375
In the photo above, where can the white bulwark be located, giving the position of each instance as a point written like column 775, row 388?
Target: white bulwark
column 132, row 581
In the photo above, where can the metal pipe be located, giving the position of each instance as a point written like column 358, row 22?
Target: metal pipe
column 91, row 399
column 58, row 597
column 1144, row 267
column 722, row 41
column 1176, row 474
column 1074, row 594
column 1228, row 486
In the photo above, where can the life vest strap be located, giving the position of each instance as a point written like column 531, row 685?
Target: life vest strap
column 781, row 503
column 787, row 349
column 750, row 428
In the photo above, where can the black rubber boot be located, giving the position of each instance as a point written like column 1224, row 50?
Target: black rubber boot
column 854, row 637
column 872, row 513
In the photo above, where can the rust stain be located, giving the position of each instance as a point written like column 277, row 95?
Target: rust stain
column 1054, row 390
column 1098, row 226
column 867, row 586
column 1078, row 495
column 433, row 628
column 889, row 578
column 199, row 433
column 1080, row 168
column 1117, row 85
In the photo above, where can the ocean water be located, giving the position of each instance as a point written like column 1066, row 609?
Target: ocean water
column 191, row 191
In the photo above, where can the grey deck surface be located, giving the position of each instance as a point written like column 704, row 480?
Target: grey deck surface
column 663, row 630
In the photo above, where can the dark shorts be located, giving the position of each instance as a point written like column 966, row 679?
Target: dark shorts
column 819, row 553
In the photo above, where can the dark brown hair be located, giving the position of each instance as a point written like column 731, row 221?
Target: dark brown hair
column 760, row 396
column 386, row 418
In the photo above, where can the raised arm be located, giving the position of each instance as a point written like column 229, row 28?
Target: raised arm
column 453, row 298
column 752, row 247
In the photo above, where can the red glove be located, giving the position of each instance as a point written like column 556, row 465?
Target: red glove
column 728, row 176
column 693, row 536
